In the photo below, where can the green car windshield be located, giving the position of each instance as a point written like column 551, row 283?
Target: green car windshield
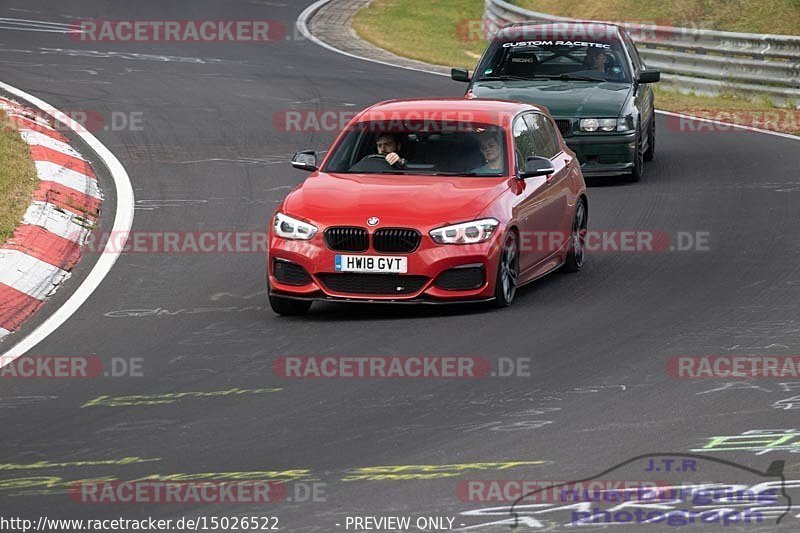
column 524, row 59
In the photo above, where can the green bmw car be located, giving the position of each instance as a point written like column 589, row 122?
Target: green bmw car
column 591, row 79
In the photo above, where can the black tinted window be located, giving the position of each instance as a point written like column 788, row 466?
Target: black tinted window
column 544, row 135
column 523, row 141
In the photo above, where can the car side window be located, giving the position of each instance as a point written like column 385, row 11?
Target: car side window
column 523, row 142
column 544, row 135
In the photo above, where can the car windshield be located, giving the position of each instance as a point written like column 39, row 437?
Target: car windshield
column 602, row 60
column 425, row 147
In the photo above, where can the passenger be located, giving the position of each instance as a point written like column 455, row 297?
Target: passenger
column 491, row 149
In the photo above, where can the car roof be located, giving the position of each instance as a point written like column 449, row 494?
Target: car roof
column 496, row 112
column 583, row 29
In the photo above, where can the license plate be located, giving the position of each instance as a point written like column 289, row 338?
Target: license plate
column 372, row 264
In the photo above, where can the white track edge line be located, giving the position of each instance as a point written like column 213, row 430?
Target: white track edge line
column 302, row 26
column 123, row 220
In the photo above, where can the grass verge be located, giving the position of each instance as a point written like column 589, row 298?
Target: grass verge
column 434, row 31
column 762, row 16
column 444, row 32
column 17, row 177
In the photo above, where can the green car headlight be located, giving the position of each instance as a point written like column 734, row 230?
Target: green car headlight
column 598, row 124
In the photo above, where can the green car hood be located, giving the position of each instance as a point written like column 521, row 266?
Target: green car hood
column 562, row 98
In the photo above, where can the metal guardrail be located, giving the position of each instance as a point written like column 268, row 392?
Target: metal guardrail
column 696, row 60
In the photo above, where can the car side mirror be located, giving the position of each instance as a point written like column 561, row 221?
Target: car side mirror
column 649, row 75
column 305, row 160
column 460, row 74
column 537, row 166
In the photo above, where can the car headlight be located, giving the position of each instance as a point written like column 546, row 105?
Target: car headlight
column 287, row 227
column 465, row 232
column 598, row 124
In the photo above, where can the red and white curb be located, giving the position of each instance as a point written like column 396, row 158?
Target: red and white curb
column 47, row 244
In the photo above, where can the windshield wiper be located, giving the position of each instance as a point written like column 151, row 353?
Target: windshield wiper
column 506, row 77
column 405, row 172
column 424, row 173
column 563, row 77
column 569, row 77
column 441, row 173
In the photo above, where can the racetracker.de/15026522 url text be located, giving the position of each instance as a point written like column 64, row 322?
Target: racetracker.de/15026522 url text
column 200, row 523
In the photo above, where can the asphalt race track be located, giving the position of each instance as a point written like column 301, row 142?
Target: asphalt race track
column 209, row 156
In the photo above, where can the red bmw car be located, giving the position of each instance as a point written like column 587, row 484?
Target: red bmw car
column 429, row 201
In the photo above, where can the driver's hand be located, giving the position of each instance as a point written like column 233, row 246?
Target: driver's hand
column 392, row 158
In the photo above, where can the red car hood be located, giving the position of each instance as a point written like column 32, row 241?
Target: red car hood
column 351, row 199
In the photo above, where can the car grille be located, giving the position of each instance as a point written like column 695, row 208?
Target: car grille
column 352, row 283
column 564, row 126
column 461, row 279
column 290, row 273
column 395, row 240
column 345, row 239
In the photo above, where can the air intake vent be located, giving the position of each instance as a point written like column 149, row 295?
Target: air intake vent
column 395, row 240
column 345, row 239
column 386, row 284
column 290, row 273
column 564, row 126
column 461, row 279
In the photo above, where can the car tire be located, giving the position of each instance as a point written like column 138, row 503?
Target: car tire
column 505, row 286
column 650, row 153
column 638, row 160
column 577, row 241
column 288, row 306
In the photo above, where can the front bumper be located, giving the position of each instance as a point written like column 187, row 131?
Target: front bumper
column 413, row 301
column 430, row 260
column 604, row 154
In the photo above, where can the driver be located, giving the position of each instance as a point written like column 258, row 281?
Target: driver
column 596, row 59
column 388, row 145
